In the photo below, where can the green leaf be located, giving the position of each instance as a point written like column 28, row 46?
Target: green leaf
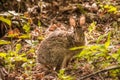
column 62, row 75
column 92, row 26
column 5, row 20
column 115, row 56
column 12, row 35
column 39, row 23
column 26, row 27
column 81, row 8
column 111, row 8
column 19, row 58
column 40, row 38
column 118, row 52
column 62, row 71
column 25, row 36
column 3, row 55
column 84, row 53
column 107, row 44
column 100, row 38
column 18, row 47
column 76, row 48
column 4, row 42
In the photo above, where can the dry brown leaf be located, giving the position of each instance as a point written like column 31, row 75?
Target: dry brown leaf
column 60, row 26
column 52, row 27
column 39, row 76
column 26, row 14
column 24, row 75
column 14, row 32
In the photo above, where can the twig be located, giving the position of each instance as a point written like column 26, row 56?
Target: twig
column 101, row 71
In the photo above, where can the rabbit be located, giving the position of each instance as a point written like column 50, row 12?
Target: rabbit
column 54, row 51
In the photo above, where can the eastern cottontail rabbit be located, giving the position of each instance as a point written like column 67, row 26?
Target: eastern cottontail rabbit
column 54, row 51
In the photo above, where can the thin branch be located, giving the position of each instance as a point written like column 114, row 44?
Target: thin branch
column 101, row 71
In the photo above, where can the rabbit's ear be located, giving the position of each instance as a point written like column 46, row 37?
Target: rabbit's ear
column 82, row 20
column 72, row 21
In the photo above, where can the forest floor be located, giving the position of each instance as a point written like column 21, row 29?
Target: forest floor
column 23, row 25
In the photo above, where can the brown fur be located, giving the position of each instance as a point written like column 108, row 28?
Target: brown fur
column 54, row 50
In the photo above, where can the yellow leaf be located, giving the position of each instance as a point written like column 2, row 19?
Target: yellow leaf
column 4, row 42
column 5, row 20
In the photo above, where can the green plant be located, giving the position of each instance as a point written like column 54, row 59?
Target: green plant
column 92, row 27
column 109, row 8
column 2, row 42
column 5, row 20
column 62, row 76
column 100, row 56
column 96, row 52
column 14, row 59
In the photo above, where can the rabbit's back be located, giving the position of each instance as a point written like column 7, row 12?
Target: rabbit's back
column 53, row 49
